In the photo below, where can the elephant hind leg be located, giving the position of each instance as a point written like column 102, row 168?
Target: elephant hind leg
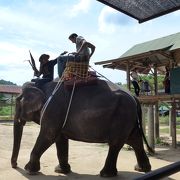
column 109, row 169
column 136, row 142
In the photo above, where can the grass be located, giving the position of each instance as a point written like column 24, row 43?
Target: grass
column 166, row 130
column 161, row 141
column 6, row 111
column 165, row 120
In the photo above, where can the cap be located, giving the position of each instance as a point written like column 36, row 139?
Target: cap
column 73, row 35
column 43, row 56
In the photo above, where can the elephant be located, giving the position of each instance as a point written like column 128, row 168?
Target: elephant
column 99, row 113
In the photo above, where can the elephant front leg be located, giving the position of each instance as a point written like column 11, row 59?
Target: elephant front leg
column 43, row 142
column 18, row 129
column 109, row 169
column 62, row 146
column 33, row 166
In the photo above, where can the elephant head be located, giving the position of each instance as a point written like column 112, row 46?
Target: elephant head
column 28, row 107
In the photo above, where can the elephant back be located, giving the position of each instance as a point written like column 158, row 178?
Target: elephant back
column 28, row 84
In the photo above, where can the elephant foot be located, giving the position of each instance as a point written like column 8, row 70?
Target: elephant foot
column 108, row 173
column 13, row 164
column 146, row 168
column 32, row 168
column 64, row 169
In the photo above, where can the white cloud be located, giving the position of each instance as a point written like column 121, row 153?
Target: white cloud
column 82, row 7
column 43, row 27
column 103, row 26
column 11, row 53
column 110, row 20
column 14, row 20
column 176, row 13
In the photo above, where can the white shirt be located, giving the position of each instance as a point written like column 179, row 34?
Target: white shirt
column 134, row 75
column 85, row 51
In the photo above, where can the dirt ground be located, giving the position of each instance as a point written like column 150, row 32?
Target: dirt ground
column 86, row 159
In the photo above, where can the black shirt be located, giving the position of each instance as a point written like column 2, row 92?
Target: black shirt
column 48, row 69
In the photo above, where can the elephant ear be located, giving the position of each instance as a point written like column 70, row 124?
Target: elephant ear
column 33, row 99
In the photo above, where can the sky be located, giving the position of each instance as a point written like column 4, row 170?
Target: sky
column 43, row 26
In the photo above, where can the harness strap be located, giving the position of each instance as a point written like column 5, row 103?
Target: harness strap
column 49, row 99
column 70, row 101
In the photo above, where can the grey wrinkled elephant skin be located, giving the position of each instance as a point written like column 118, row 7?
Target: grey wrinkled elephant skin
column 98, row 114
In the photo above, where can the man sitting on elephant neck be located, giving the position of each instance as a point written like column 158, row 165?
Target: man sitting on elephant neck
column 46, row 70
column 82, row 53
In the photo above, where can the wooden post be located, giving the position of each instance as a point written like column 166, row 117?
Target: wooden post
column 128, row 77
column 143, row 118
column 151, row 126
column 156, row 117
column 170, row 124
column 156, row 104
column 155, row 81
column 11, row 105
column 173, row 122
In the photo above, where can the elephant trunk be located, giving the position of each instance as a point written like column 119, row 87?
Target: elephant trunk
column 18, row 129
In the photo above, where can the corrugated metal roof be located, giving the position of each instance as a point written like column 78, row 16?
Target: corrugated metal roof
column 10, row 89
column 169, row 43
column 144, row 10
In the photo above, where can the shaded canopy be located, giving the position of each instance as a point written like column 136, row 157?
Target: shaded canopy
column 159, row 52
column 144, row 10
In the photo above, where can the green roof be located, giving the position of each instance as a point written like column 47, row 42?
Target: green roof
column 170, row 43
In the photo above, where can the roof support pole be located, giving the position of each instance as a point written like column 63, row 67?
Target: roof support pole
column 156, row 110
column 143, row 107
column 128, row 76
column 156, row 117
column 155, row 81
column 170, row 122
column 11, row 106
column 173, row 123
column 151, row 126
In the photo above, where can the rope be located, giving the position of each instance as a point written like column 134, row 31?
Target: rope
column 70, row 101
column 49, row 99
column 54, row 91
column 112, row 83
column 104, row 77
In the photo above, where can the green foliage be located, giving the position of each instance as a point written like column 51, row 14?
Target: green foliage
column 6, row 82
column 164, row 120
column 1, row 96
column 150, row 80
column 161, row 141
column 5, row 111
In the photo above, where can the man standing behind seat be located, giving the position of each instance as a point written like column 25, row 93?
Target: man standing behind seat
column 82, row 53
column 135, row 79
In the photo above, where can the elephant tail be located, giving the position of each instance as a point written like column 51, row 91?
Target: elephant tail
column 139, row 119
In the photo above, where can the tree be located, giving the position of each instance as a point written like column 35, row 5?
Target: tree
column 6, row 82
